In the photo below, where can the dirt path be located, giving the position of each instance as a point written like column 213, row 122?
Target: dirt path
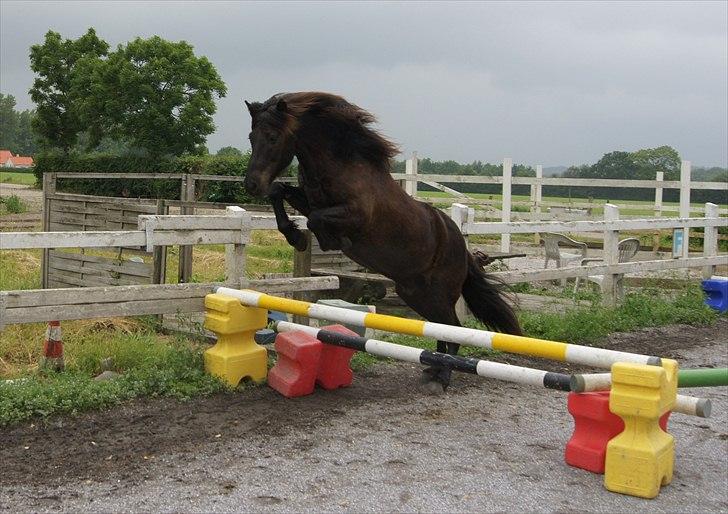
column 33, row 198
column 379, row 445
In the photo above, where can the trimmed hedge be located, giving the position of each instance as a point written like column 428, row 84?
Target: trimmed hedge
column 147, row 188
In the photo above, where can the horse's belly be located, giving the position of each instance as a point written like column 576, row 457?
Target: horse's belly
column 393, row 261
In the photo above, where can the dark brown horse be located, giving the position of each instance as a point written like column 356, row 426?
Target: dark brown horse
column 353, row 204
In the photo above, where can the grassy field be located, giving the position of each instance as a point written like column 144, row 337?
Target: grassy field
column 597, row 210
column 17, row 177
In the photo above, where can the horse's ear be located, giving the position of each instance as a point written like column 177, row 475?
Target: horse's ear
column 282, row 106
column 252, row 108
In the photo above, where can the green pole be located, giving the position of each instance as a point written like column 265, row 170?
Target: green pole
column 706, row 377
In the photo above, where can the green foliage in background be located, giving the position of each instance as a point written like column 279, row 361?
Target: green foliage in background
column 55, row 63
column 149, row 96
column 16, row 133
column 147, row 188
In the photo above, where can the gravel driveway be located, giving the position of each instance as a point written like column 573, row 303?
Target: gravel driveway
column 379, row 445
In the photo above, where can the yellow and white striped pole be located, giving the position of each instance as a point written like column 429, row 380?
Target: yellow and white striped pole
column 596, row 357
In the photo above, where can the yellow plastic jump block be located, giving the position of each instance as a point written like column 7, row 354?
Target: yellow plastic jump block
column 641, row 458
column 235, row 355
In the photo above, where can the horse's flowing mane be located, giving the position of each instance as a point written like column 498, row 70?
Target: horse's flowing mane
column 323, row 117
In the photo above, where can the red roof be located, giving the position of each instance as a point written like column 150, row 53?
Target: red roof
column 17, row 160
column 22, row 161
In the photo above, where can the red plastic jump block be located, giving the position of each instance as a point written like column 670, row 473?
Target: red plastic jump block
column 594, row 427
column 334, row 369
column 294, row 373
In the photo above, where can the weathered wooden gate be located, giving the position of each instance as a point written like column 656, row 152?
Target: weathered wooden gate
column 81, row 268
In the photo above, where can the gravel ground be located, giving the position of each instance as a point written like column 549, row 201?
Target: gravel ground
column 33, row 198
column 379, row 445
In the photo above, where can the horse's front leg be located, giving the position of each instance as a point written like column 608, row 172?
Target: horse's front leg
column 332, row 224
column 297, row 199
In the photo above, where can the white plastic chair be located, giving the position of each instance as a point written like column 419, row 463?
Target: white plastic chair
column 628, row 248
column 552, row 243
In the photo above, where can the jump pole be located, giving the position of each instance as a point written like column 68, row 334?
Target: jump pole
column 708, row 377
column 595, row 357
column 480, row 367
column 487, row 369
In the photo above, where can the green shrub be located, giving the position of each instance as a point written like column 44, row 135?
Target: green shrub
column 14, row 205
column 232, row 192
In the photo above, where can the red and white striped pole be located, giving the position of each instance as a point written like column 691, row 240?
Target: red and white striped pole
column 53, row 347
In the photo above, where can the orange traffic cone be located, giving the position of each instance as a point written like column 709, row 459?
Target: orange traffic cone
column 53, row 348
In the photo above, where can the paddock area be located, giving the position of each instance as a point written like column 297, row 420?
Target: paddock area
column 378, row 445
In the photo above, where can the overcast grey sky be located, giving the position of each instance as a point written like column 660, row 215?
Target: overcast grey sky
column 549, row 83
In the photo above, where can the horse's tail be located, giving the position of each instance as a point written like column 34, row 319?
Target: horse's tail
column 486, row 299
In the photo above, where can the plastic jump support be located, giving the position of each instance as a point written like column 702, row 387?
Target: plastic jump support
column 690, row 405
column 596, row 357
column 473, row 366
column 235, row 355
column 641, row 458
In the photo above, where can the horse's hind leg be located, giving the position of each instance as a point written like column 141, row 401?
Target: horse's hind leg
column 436, row 305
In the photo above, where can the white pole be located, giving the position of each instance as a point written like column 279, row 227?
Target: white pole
column 710, row 239
column 410, row 186
column 611, row 255
column 505, row 245
column 685, row 203
column 536, row 194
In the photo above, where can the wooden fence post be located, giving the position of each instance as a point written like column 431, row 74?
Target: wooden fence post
column 410, row 186
column 462, row 215
column 536, row 195
column 235, row 253
column 710, row 238
column 459, row 214
column 159, row 255
column 505, row 245
column 187, row 194
column 659, row 178
column 49, row 189
column 685, row 204
column 611, row 284
column 302, row 268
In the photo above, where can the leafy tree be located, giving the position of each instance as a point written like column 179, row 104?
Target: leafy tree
column 57, row 121
column 230, row 151
column 652, row 160
column 153, row 93
column 8, row 121
column 15, row 128
column 614, row 165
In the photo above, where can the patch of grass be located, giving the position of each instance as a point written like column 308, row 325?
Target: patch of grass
column 640, row 309
column 13, row 204
column 19, row 269
column 148, row 366
column 15, row 177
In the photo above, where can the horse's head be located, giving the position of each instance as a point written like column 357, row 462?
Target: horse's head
column 272, row 142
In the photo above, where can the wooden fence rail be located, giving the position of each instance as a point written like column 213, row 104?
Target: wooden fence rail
column 232, row 229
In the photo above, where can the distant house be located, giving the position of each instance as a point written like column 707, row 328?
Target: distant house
column 8, row 160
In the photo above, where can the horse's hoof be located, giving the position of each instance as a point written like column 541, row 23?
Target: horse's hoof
column 433, row 381
column 433, row 388
column 298, row 241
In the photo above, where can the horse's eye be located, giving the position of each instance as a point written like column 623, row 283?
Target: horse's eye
column 273, row 139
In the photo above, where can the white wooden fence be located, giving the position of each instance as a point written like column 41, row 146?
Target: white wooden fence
column 411, row 177
column 232, row 229
column 610, row 227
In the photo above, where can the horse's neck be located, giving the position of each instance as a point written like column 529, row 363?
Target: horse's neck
column 315, row 167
